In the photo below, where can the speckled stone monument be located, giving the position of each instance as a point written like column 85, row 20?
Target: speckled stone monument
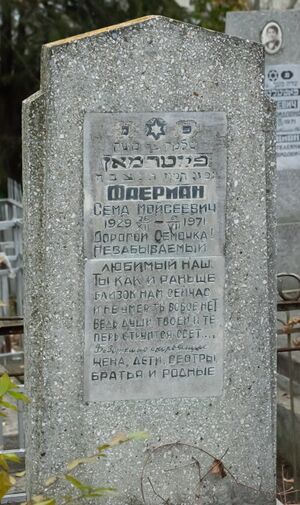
column 148, row 180
column 279, row 32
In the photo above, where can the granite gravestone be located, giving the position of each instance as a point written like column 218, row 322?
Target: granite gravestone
column 149, row 259
column 279, row 32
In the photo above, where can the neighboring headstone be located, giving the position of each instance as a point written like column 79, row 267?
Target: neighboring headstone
column 129, row 220
column 280, row 34
column 274, row 4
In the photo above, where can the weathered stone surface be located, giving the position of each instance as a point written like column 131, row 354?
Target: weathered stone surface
column 154, row 200
column 282, row 82
column 288, row 248
column 153, row 65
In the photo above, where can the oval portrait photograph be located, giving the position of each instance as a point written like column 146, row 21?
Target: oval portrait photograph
column 271, row 37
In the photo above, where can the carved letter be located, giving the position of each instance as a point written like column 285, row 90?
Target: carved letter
column 168, row 165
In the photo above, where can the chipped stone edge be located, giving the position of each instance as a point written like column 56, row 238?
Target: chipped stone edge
column 271, row 186
column 139, row 21
column 33, row 134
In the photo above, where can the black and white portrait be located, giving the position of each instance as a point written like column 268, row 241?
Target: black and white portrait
column 271, row 37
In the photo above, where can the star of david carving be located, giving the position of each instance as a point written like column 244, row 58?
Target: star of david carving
column 156, row 128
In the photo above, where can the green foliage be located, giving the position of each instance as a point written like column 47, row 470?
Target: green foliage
column 27, row 24
column 6, row 482
column 211, row 14
column 80, row 491
column 8, row 388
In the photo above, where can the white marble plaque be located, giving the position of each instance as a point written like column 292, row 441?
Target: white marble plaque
column 282, row 83
column 154, row 236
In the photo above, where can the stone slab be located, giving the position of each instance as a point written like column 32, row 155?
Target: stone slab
column 288, row 247
column 154, row 200
column 282, row 72
column 282, row 82
column 154, row 65
column 161, row 353
column 288, row 201
column 250, row 24
column 288, row 430
column 140, row 169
